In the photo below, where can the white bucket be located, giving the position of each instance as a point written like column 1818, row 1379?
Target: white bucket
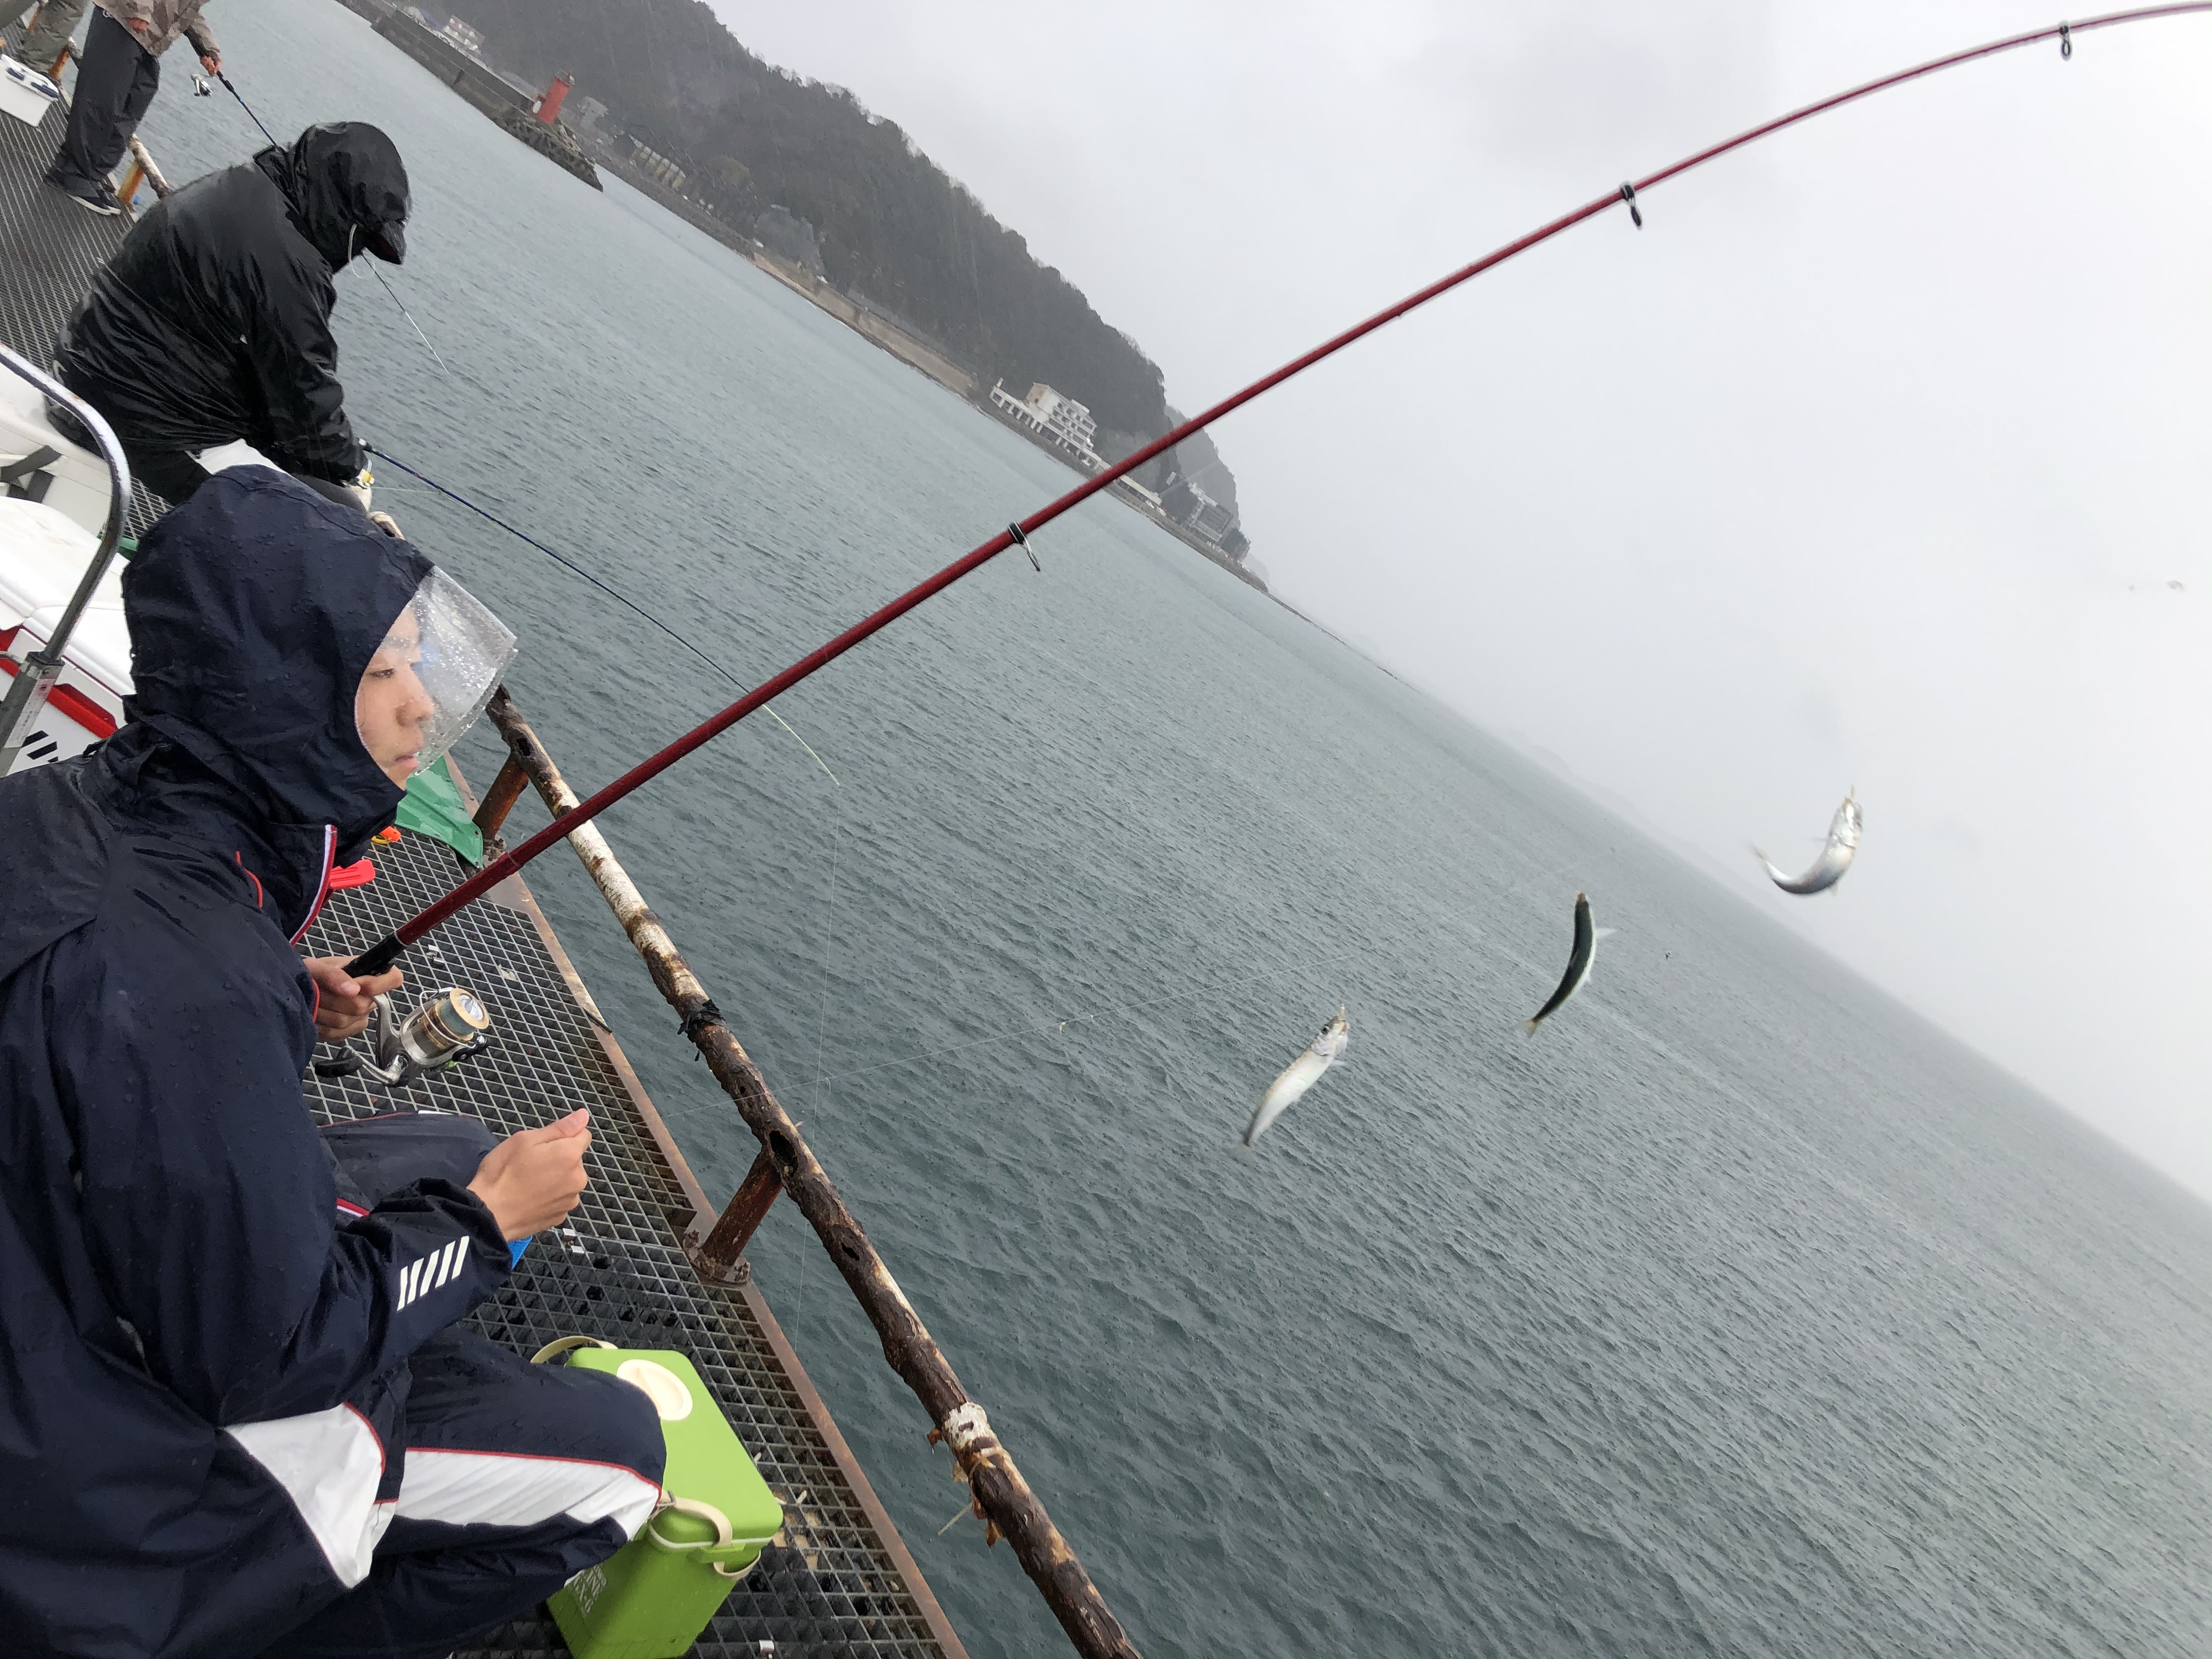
column 24, row 93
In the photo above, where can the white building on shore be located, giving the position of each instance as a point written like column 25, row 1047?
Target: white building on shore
column 1057, row 419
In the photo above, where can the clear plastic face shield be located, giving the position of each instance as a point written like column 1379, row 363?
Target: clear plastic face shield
column 437, row 668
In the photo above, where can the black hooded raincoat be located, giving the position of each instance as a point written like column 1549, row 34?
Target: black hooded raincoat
column 186, row 1340
column 212, row 322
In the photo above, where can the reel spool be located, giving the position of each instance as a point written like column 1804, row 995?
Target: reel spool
column 448, row 1025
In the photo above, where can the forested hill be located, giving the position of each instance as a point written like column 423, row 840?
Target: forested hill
column 892, row 226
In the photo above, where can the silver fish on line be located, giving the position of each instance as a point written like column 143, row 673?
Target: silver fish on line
column 1843, row 844
column 1300, row 1075
column 1579, row 959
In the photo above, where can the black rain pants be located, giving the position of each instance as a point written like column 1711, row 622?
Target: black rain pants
column 116, row 81
column 515, row 1478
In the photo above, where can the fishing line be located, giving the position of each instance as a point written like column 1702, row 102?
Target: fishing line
column 385, row 283
column 570, row 564
column 386, row 951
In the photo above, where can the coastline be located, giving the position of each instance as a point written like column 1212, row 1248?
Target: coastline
column 915, row 353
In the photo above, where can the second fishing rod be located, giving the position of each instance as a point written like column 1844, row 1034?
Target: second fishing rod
column 387, row 949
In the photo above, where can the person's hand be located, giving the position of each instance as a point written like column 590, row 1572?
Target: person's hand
column 530, row 1180
column 346, row 1002
column 388, row 524
column 211, row 62
column 138, row 26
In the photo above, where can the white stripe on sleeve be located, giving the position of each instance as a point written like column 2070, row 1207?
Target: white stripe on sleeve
column 328, row 1464
column 489, row 1489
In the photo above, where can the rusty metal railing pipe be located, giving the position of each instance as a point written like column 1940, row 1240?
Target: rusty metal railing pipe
column 1002, row 1498
column 499, row 801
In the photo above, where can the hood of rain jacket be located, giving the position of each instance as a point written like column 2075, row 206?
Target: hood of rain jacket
column 254, row 611
column 202, row 1362
column 347, row 188
column 211, row 323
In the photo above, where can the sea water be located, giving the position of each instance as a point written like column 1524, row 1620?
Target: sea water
column 1738, row 1311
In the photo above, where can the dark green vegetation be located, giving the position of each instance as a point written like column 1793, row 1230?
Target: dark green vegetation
column 895, row 230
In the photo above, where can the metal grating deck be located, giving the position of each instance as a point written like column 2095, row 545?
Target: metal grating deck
column 831, row 1587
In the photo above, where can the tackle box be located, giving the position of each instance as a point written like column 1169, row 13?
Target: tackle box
column 24, row 93
column 652, row 1598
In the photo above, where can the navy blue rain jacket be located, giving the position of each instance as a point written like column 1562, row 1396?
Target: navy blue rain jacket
column 200, row 1370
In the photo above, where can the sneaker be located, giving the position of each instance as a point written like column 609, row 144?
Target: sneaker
column 98, row 198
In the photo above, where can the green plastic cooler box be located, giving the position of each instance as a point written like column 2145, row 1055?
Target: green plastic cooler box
column 652, row 1598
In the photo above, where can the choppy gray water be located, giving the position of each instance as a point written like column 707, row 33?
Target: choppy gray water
column 1737, row 1312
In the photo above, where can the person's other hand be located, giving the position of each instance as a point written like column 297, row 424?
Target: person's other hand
column 138, row 26
column 211, row 62
column 530, row 1180
column 388, row 524
column 346, row 1002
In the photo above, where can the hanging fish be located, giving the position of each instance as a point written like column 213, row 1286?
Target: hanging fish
column 1578, row 963
column 1300, row 1075
column 1835, row 858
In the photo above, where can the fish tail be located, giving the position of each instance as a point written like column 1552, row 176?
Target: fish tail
column 1529, row 1026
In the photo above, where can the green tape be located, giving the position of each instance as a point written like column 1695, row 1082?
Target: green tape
column 432, row 807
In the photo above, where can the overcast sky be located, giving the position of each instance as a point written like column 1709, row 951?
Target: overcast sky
column 1869, row 461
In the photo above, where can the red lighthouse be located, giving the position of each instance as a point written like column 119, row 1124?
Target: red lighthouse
column 549, row 106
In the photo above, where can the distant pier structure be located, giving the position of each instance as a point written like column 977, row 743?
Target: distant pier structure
column 531, row 117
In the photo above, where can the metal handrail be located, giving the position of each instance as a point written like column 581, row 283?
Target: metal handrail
column 44, row 666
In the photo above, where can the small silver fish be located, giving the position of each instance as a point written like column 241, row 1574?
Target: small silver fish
column 1835, row 858
column 1300, row 1075
column 1580, row 959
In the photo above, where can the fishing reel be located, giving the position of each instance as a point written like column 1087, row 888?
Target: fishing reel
column 449, row 1025
column 201, row 89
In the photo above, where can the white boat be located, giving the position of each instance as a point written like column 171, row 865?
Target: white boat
column 49, row 523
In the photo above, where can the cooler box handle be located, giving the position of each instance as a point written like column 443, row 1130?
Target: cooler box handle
column 555, row 1349
column 723, row 1539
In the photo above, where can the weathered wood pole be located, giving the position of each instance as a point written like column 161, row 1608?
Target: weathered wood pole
column 1003, row 1498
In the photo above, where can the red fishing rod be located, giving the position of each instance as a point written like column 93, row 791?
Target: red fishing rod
column 386, row 950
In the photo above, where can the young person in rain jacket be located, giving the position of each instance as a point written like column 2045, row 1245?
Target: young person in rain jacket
column 234, row 1417
column 211, row 326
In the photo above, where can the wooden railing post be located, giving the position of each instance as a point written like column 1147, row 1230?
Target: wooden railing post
column 1001, row 1496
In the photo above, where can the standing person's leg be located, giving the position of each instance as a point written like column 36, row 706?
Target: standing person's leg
column 517, row 1478
column 44, row 42
column 115, row 83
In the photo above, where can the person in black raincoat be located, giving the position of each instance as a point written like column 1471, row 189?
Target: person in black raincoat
column 211, row 326
column 233, row 1416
